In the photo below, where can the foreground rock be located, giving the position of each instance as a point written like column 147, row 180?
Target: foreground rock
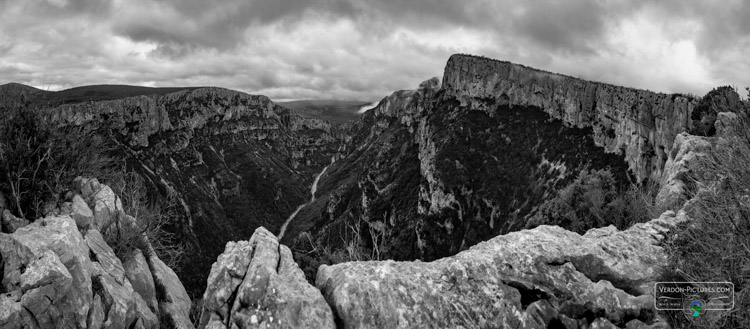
column 528, row 279
column 257, row 284
column 59, row 272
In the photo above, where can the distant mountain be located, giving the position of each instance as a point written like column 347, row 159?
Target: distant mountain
column 92, row 93
column 335, row 111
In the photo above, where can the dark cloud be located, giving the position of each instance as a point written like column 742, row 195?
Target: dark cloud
column 576, row 26
column 365, row 49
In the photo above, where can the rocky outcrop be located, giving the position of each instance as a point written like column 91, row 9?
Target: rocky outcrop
column 682, row 162
column 59, row 272
column 639, row 124
column 257, row 284
column 527, row 279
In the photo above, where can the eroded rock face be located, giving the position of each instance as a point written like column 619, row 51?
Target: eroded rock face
column 257, row 284
column 637, row 123
column 525, row 279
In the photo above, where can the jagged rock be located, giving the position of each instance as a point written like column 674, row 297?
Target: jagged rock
column 81, row 212
column 96, row 314
column 55, row 277
column 12, row 314
column 637, row 123
column 522, row 279
column 139, row 275
column 105, row 256
column 118, row 301
column 145, row 317
column 12, row 223
column 727, row 124
column 682, row 161
column 106, row 205
column 44, row 284
column 257, row 284
column 60, row 235
column 174, row 302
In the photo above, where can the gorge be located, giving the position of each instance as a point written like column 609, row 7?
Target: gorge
column 422, row 214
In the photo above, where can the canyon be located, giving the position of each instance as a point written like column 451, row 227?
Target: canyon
column 436, row 185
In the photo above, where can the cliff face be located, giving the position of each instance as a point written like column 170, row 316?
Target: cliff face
column 426, row 175
column 639, row 124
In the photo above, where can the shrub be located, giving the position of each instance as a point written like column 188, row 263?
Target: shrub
column 719, row 99
column 358, row 245
column 714, row 245
column 39, row 161
column 151, row 217
column 594, row 200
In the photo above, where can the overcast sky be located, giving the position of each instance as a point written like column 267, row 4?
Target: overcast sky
column 365, row 49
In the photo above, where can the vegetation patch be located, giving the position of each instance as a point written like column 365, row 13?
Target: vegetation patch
column 714, row 246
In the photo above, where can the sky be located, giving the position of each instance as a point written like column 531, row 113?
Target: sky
column 366, row 49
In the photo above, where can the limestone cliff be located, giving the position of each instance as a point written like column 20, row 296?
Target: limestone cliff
column 428, row 176
column 639, row 124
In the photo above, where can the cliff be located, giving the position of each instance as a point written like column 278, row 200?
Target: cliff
column 546, row 277
column 639, row 124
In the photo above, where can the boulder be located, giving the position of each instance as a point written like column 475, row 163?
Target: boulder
column 81, row 212
column 257, row 284
column 11, row 223
column 105, row 256
column 174, row 302
column 12, row 314
column 139, row 275
column 524, row 279
column 45, row 284
column 107, row 206
column 59, row 235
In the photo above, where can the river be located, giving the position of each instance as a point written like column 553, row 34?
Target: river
column 313, row 188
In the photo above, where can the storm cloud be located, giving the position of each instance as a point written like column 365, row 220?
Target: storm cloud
column 363, row 50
